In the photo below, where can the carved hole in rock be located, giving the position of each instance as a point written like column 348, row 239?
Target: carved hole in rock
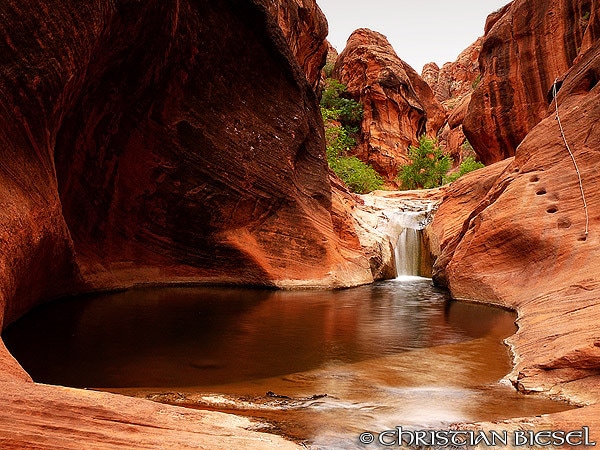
column 552, row 209
column 534, row 179
column 359, row 346
column 582, row 238
column 564, row 222
column 541, row 192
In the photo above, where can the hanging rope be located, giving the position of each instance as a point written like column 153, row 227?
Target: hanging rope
column 562, row 132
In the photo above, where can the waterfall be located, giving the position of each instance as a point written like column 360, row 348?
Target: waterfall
column 408, row 226
column 401, row 221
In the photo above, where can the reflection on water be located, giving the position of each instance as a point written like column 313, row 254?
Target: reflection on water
column 393, row 353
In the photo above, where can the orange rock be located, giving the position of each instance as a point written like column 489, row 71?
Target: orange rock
column 453, row 85
column 526, row 46
column 522, row 243
column 305, row 28
column 398, row 105
column 156, row 142
column 455, row 79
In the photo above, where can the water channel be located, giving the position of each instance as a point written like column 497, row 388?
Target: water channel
column 320, row 366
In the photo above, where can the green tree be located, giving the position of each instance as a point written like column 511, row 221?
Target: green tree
column 428, row 165
column 336, row 107
column 358, row 176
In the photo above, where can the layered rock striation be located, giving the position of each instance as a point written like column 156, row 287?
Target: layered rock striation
column 305, row 28
column 158, row 142
column 527, row 46
column 453, row 85
column 455, row 79
column 399, row 106
column 522, row 243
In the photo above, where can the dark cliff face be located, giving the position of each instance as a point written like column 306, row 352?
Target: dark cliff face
column 527, row 45
column 159, row 141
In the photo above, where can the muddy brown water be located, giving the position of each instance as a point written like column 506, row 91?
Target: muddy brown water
column 334, row 363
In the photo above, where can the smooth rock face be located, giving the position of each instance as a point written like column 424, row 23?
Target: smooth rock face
column 203, row 158
column 523, row 245
column 527, row 45
column 156, row 142
column 399, row 106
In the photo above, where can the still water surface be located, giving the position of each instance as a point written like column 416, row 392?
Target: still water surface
column 397, row 353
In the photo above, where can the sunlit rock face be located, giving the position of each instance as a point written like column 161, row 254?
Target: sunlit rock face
column 521, row 241
column 399, row 106
column 453, row 85
column 527, row 45
column 454, row 79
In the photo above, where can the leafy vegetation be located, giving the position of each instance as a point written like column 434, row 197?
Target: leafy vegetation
column 342, row 116
column 428, row 165
column 467, row 165
column 358, row 176
column 336, row 107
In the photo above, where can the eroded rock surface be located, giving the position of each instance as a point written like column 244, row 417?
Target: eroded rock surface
column 305, row 28
column 527, row 45
column 399, row 106
column 157, row 142
column 455, row 79
column 524, row 244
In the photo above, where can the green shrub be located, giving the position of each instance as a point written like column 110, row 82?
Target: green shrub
column 358, row 176
column 328, row 68
column 468, row 165
column 342, row 116
column 427, row 168
column 336, row 107
column 467, row 147
column 338, row 141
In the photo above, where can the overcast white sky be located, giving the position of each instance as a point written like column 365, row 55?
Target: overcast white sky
column 420, row 31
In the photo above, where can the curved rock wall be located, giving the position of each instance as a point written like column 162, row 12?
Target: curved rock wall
column 305, row 28
column 156, row 142
column 398, row 105
column 201, row 160
column 523, row 245
column 527, row 45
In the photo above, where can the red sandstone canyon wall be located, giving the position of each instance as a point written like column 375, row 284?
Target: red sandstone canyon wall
column 202, row 159
column 157, row 142
column 453, row 85
column 527, row 45
column 305, row 28
column 523, row 244
column 398, row 105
